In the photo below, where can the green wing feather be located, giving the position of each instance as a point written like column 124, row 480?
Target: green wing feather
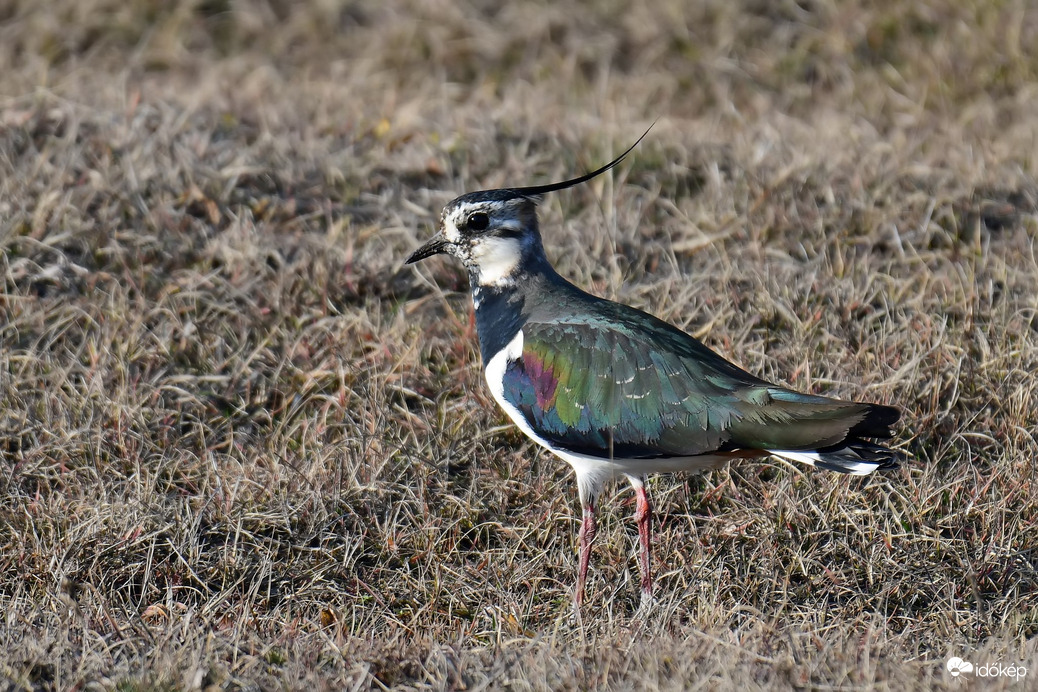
column 620, row 383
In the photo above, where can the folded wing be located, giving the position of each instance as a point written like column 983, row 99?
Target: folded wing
column 617, row 392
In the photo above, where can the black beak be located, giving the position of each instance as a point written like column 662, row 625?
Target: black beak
column 437, row 245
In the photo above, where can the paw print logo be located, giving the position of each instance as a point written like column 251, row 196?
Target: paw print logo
column 956, row 666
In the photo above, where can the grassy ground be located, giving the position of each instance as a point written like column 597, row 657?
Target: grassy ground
column 241, row 447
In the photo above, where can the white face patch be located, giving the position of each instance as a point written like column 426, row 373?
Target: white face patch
column 496, row 259
column 450, row 229
column 488, row 254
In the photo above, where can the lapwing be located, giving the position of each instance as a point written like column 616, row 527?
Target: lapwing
column 615, row 391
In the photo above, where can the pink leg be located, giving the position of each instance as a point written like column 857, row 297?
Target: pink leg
column 643, row 514
column 588, row 529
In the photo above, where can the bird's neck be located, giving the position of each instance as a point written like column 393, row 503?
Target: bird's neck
column 503, row 307
column 499, row 315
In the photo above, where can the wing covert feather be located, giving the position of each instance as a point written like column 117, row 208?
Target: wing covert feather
column 605, row 391
column 609, row 391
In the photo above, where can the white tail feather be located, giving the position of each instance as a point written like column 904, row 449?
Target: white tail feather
column 853, row 467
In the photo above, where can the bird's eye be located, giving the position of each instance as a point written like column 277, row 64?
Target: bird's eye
column 478, row 221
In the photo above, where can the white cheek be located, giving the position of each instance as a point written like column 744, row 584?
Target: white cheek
column 450, row 232
column 496, row 259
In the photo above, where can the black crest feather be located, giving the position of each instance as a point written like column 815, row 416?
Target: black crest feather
column 534, row 190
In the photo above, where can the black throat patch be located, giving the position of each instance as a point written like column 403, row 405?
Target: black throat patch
column 499, row 316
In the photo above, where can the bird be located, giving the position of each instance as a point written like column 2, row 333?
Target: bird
column 617, row 392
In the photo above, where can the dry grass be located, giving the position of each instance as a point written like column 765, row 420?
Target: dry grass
column 242, row 448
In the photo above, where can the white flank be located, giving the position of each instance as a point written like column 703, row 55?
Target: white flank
column 854, row 468
column 496, row 259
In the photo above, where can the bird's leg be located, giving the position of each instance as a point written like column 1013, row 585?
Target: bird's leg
column 588, row 529
column 643, row 515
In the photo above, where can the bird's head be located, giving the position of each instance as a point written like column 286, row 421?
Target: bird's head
column 494, row 232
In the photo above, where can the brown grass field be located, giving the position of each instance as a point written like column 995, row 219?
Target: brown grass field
column 242, row 447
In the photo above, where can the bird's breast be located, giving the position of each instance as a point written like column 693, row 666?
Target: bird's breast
column 499, row 317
